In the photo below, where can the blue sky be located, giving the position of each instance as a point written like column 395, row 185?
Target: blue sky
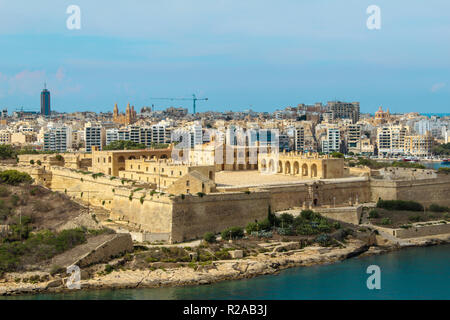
column 242, row 54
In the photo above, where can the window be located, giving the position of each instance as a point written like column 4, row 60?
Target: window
column 187, row 183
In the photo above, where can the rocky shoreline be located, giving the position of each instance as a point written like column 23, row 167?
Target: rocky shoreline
column 262, row 264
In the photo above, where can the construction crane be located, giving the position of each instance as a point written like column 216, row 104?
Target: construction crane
column 194, row 100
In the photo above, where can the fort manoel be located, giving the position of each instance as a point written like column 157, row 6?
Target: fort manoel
column 159, row 197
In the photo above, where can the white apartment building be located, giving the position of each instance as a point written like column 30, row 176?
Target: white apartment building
column 58, row 139
column 391, row 140
column 94, row 136
column 332, row 141
column 299, row 139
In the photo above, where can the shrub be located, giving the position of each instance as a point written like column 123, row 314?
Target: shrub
column 55, row 269
column 337, row 155
column 307, row 214
column 273, row 219
column 386, row 221
column 285, row 231
column 31, row 161
column 252, row 227
column 209, row 237
column 286, row 219
column 38, row 162
column 399, row 205
column 438, row 208
column 200, row 194
column 232, row 233
column 109, row 268
column 264, row 225
column 415, row 218
column 41, row 206
column 4, row 191
column 34, row 191
column 373, row 214
column 323, row 239
column 14, row 177
column 444, row 170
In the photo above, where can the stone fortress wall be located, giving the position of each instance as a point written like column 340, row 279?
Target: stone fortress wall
column 187, row 216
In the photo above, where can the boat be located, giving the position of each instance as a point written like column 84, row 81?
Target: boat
column 445, row 161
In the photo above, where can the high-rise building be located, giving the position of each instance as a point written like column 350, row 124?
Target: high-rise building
column 58, row 139
column 94, row 136
column 299, row 139
column 354, row 138
column 332, row 141
column 45, row 102
column 344, row 110
column 391, row 140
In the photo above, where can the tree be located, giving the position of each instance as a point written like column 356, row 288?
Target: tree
column 124, row 145
column 337, row 154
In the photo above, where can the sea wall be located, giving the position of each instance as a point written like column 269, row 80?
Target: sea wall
column 194, row 215
column 422, row 231
column 119, row 244
column 425, row 191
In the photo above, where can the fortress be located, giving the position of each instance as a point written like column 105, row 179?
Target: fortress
column 151, row 194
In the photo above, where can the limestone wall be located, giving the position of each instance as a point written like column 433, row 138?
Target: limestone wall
column 151, row 214
column 194, row 215
column 119, row 244
column 422, row 231
column 425, row 191
column 345, row 214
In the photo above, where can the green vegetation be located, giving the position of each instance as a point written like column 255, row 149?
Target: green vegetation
column 386, row 221
column 124, row 145
column 442, row 149
column 21, row 246
column 96, row 175
column 379, row 165
column 307, row 223
column 399, row 205
column 415, row 218
column 209, row 237
column 14, row 177
column 438, row 208
column 7, row 152
column 444, row 170
column 232, row 233
column 336, row 154
column 373, row 214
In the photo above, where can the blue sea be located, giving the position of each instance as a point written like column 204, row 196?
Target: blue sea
column 413, row 273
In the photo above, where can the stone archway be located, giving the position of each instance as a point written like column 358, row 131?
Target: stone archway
column 304, row 170
column 271, row 166
column 287, row 167
column 296, row 168
column 263, row 166
column 314, row 171
column 280, row 167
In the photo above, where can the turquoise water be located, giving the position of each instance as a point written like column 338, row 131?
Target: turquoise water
column 414, row 273
column 435, row 165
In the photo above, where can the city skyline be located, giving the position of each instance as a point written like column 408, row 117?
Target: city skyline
column 240, row 55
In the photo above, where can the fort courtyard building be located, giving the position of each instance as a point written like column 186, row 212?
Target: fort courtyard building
column 111, row 162
column 165, row 175
column 302, row 165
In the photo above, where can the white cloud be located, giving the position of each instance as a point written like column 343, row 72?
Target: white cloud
column 437, row 86
column 60, row 74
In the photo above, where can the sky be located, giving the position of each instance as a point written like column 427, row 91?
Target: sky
column 247, row 54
